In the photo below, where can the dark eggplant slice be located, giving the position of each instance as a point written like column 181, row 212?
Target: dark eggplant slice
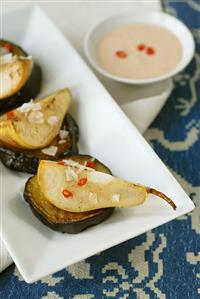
column 89, row 161
column 28, row 160
column 29, row 90
column 60, row 220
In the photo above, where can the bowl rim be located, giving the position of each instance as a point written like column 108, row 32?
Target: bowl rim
column 107, row 74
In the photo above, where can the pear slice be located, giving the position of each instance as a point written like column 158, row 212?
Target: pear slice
column 75, row 188
column 35, row 124
column 14, row 75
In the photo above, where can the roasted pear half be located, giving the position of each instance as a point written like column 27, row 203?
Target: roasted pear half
column 72, row 187
column 35, row 124
column 28, row 160
column 20, row 76
column 58, row 219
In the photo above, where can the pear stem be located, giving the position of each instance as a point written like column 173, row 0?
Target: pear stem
column 163, row 196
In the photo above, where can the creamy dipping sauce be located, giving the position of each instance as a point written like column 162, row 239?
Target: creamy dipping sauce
column 139, row 51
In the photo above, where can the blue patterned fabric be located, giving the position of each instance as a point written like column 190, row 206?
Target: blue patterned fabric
column 165, row 262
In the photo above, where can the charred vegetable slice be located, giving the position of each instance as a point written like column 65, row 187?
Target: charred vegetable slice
column 99, row 190
column 28, row 160
column 89, row 161
column 21, row 77
column 58, row 219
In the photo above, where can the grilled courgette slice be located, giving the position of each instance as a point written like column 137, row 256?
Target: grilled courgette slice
column 60, row 220
column 20, row 76
column 28, row 160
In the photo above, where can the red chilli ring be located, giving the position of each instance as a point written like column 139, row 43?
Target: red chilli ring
column 121, row 54
column 150, row 51
column 141, row 47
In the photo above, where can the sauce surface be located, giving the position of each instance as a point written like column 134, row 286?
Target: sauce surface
column 139, row 51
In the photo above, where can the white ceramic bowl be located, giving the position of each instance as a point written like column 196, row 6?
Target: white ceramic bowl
column 157, row 18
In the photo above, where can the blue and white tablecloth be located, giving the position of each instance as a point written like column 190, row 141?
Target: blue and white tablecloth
column 165, row 262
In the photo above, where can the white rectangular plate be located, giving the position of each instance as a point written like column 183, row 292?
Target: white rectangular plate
column 106, row 133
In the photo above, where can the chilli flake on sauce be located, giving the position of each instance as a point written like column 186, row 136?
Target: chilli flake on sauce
column 150, row 51
column 141, row 47
column 121, row 54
